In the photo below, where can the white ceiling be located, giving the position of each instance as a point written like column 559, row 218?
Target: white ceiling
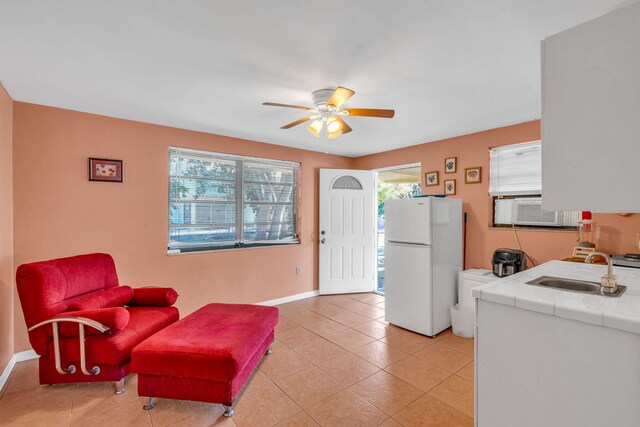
column 448, row 67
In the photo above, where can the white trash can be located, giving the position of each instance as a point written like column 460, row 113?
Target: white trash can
column 463, row 321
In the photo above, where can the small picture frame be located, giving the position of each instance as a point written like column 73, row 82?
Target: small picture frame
column 450, row 187
column 450, row 165
column 431, row 179
column 473, row 175
column 108, row 170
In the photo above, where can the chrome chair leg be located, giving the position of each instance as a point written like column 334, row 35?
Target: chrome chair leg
column 228, row 411
column 150, row 404
column 120, row 386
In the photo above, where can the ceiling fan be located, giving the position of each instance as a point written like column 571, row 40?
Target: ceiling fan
column 326, row 113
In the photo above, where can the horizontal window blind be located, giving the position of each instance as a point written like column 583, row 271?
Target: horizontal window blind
column 516, row 170
column 223, row 201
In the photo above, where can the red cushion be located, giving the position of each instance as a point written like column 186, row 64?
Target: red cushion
column 215, row 342
column 112, row 297
column 160, row 297
column 115, row 318
column 116, row 349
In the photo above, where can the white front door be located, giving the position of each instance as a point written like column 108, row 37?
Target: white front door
column 347, row 231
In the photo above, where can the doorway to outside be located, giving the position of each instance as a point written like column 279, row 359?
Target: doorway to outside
column 396, row 182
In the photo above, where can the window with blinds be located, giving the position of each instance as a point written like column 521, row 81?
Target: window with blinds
column 220, row 201
column 516, row 170
column 516, row 187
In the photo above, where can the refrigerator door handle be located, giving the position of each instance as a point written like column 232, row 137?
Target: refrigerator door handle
column 395, row 242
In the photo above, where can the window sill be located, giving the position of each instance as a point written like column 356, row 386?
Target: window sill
column 206, row 251
column 552, row 230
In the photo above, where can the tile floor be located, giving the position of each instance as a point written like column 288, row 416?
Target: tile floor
column 335, row 362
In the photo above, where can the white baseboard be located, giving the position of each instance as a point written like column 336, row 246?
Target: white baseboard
column 290, row 298
column 15, row 358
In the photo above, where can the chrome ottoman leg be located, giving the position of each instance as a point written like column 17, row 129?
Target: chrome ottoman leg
column 150, row 404
column 228, row 411
column 120, row 386
column 268, row 351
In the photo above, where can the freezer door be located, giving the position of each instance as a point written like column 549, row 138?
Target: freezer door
column 408, row 220
column 407, row 282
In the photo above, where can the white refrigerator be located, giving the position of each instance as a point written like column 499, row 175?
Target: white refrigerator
column 422, row 259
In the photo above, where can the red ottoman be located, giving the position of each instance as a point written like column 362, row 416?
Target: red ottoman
column 207, row 356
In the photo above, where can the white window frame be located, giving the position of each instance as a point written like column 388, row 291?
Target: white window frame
column 238, row 182
column 522, row 190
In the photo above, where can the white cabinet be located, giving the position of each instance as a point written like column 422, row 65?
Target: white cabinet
column 591, row 115
column 535, row 369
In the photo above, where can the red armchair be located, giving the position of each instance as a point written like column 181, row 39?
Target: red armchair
column 82, row 323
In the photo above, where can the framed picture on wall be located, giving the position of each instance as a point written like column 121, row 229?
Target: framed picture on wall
column 431, row 179
column 450, row 187
column 108, row 170
column 473, row 175
column 450, row 165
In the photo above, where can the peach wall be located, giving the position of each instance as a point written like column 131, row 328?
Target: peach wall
column 6, row 227
column 60, row 213
column 617, row 233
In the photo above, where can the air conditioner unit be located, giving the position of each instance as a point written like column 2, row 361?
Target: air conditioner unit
column 526, row 211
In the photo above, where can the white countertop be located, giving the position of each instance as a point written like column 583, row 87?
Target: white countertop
column 621, row 313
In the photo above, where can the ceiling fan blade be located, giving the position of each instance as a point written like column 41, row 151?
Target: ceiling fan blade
column 339, row 96
column 370, row 112
column 297, row 122
column 273, row 104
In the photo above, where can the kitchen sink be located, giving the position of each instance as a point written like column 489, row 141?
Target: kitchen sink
column 572, row 285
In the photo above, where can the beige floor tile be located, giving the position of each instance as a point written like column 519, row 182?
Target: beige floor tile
column 213, row 417
column 456, row 392
column 351, row 319
column 318, row 350
column 89, row 396
column 25, row 376
column 309, row 387
column 300, row 419
column 258, row 379
column 467, row 372
column 418, row 373
column 444, row 357
column 264, row 406
column 430, row 412
column 463, row 345
column 367, row 310
column 282, row 362
column 328, row 310
column 381, row 305
column 386, row 392
column 444, row 334
column 391, row 423
column 348, row 339
column 295, row 336
column 128, row 413
column 346, row 409
column 368, row 298
column 380, row 354
column 40, row 406
column 348, row 369
column 376, row 329
column 284, row 324
column 408, row 341
column 170, row 411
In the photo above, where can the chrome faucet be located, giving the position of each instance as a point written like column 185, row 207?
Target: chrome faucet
column 609, row 282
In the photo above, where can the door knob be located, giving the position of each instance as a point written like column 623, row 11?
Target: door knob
column 323, row 240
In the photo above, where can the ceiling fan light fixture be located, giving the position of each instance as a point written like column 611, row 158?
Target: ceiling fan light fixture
column 333, row 125
column 315, row 127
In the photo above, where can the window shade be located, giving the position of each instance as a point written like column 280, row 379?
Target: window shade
column 221, row 201
column 516, row 170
